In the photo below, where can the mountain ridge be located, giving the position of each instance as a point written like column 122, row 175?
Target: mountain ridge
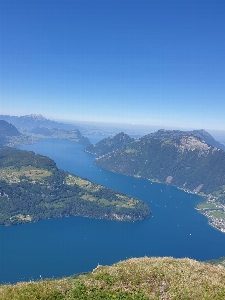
column 169, row 134
column 155, row 158
column 34, row 120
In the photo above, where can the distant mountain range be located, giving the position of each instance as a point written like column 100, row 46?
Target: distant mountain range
column 178, row 158
column 72, row 135
column 28, row 122
column 35, row 127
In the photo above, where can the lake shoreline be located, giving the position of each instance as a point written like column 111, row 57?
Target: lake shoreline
column 215, row 222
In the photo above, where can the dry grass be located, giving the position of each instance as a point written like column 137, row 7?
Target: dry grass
column 143, row 278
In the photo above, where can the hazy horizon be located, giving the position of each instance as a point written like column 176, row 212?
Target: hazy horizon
column 150, row 63
column 130, row 128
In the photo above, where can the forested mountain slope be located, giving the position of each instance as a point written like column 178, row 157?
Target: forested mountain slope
column 186, row 162
column 35, row 127
column 109, row 144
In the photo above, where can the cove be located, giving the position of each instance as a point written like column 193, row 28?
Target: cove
column 62, row 247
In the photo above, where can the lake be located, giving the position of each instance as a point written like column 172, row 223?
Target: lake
column 62, row 247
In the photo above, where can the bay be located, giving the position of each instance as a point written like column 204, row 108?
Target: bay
column 62, row 247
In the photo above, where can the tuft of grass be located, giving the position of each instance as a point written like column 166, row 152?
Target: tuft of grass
column 137, row 278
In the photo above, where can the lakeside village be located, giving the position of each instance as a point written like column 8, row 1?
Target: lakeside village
column 214, row 211
column 211, row 208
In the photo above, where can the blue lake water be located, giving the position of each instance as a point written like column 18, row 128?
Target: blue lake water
column 61, row 247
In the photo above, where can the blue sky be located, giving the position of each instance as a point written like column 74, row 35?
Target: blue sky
column 144, row 62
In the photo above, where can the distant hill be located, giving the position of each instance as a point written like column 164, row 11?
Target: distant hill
column 35, row 127
column 32, row 188
column 42, row 130
column 109, row 144
column 72, row 135
column 187, row 162
column 31, row 121
column 7, row 130
column 133, row 279
column 163, row 134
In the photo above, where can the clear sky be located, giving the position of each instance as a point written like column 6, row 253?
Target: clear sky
column 143, row 62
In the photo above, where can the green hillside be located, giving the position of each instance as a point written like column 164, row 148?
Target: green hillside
column 109, row 144
column 136, row 278
column 187, row 163
column 33, row 188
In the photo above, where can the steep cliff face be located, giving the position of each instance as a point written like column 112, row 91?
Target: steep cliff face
column 192, row 143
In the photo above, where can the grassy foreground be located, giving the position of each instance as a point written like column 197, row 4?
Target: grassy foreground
column 136, row 278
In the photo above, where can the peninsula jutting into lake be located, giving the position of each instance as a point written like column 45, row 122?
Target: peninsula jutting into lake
column 33, row 188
